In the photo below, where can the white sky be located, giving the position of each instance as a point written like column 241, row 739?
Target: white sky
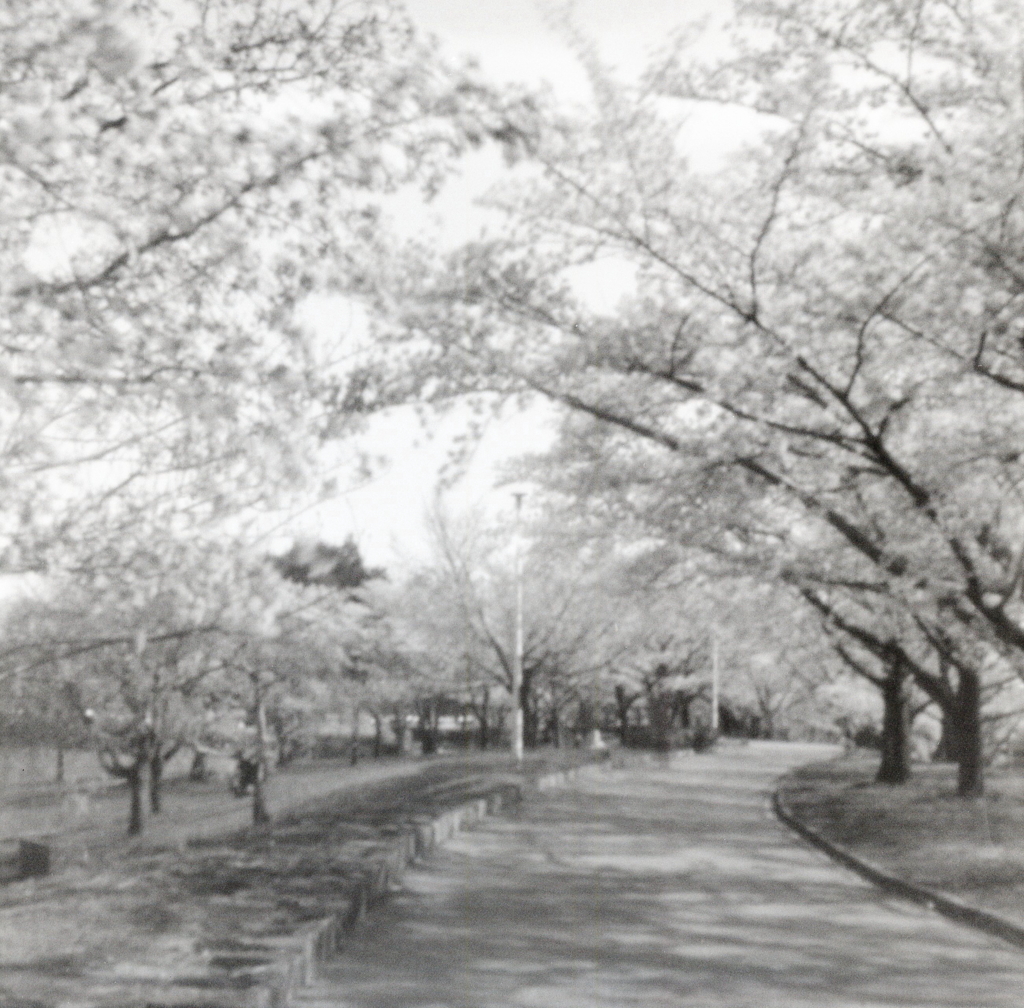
column 513, row 41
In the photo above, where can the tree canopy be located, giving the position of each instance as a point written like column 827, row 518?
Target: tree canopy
column 824, row 326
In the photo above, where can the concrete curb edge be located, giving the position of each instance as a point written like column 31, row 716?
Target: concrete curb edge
column 416, row 843
column 279, row 983
column 962, row 913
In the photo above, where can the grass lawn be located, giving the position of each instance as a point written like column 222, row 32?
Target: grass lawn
column 920, row 831
column 164, row 914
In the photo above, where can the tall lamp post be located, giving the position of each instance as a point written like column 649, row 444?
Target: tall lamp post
column 517, row 651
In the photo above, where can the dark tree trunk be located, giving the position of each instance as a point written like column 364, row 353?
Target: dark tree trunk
column 353, row 749
column 528, row 704
column 197, row 771
column 500, row 725
column 156, row 777
column 946, row 750
column 895, row 764
column 484, row 713
column 623, row 703
column 555, row 729
column 134, row 776
column 260, row 815
column 970, row 760
column 59, row 773
column 660, row 717
column 378, row 733
column 428, row 728
column 529, row 728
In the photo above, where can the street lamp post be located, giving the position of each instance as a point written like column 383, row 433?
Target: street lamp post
column 517, row 652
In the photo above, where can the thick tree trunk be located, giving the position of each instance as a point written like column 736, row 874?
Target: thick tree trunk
column 198, row 771
column 970, row 758
column 946, row 750
column 660, row 718
column 895, row 764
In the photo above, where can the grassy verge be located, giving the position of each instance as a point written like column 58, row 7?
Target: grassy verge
column 920, row 831
column 175, row 913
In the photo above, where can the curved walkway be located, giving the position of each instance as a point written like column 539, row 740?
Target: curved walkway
column 659, row 886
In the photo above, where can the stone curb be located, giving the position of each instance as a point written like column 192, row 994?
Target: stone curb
column 962, row 913
column 426, row 834
column 281, row 969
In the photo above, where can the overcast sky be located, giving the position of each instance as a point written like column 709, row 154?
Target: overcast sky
column 513, row 40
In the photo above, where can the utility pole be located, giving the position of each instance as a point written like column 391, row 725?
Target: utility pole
column 517, row 653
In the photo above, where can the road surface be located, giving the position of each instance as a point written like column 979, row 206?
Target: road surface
column 669, row 885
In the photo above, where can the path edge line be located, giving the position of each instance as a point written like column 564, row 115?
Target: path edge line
column 953, row 909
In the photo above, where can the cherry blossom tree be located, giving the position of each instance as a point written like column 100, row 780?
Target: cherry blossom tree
column 177, row 179
column 830, row 316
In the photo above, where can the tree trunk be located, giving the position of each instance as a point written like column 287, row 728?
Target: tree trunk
column 378, row 733
column 156, row 776
column 260, row 815
column 484, row 715
column 354, row 749
column 59, row 773
column 970, row 760
column 527, row 703
column 895, row 764
column 197, row 771
column 134, row 777
column 680, row 703
column 660, row 718
column 401, row 730
column 622, row 707
column 529, row 728
column 555, row 729
column 946, row 750
column 427, row 729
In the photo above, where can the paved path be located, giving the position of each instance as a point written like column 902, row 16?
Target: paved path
column 657, row 887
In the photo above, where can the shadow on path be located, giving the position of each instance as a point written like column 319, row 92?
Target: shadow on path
column 661, row 886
